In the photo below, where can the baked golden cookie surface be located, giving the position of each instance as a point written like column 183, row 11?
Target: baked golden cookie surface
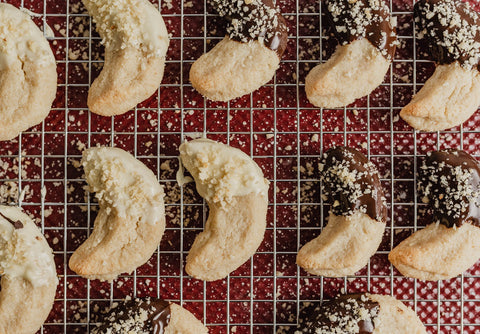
column 131, row 218
column 362, row 313
column 451, row 31
column 28, row 73
column 248, row 56
column 136, row 43
column 367, row 40
column 357, row 216
column 449, row 182
column 29, row 278
column 237, row 195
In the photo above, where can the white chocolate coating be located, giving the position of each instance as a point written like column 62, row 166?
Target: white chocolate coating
column 222, row 172
column 124, row 184
column 130, row 23
column 24, row 252
column 237, row 196
column 131, row 219
column 28, row 74
column 20, row 39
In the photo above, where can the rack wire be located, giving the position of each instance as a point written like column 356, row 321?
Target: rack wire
column 277, row 127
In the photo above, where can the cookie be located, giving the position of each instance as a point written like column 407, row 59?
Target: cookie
column 248, row 56
column 28, row 74
column 367, row 40
column 149, row 315
column 237, row 196
column 449, row 182
column 136, row 43
column 451, row 31
column 131, row 217
column 29, row 278
column 362, row 313
column 357, row 216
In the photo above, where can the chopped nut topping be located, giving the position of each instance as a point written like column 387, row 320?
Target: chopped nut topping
column 122, row 28
column 450, row 182
column 351, row 183
column 139, row 316
column 368, row 19
column 347, row 314
column 451, row 29
column 254, row 20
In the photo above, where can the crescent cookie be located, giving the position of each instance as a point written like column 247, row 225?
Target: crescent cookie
column 136, row 43
column 449, row 181
column 147, row 316
column 237, row 196
column 357, row 217
column 451, row 30
column 29, row 278
column 28, row 74
column 362, row 313
column 131, row 219
column 367, row 40
column 248, row 56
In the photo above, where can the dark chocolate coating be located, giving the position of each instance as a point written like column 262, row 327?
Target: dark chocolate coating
column 450, row 30
column 449, row 181
column 16, row 224
column 351, row 183
column 370, row 19
column 335, row 315
column 254, row 20
column 124, row 317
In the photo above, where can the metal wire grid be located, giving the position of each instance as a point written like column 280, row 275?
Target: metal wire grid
column 218, row 304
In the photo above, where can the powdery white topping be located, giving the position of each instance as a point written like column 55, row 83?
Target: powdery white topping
column 21, row 39
column 123, row 185
column 24, row 252
column 222, row 172
column 130, row 24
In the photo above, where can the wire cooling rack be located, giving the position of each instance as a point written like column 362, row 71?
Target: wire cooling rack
column 278, row 127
